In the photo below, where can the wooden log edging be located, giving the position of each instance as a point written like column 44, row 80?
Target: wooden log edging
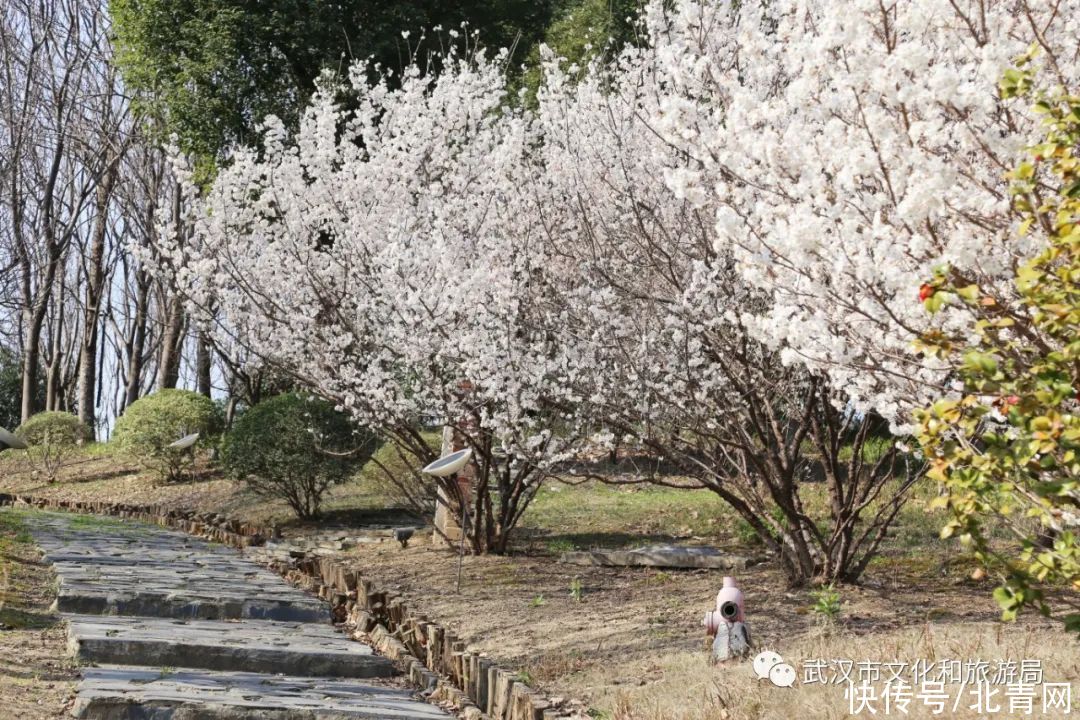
column 433, row 658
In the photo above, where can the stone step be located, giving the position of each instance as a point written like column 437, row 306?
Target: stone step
column 79, row 599
column 111, row 568
column 132, row 693
column 257, row 646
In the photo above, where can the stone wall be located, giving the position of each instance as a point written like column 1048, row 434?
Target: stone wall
column 434, row 658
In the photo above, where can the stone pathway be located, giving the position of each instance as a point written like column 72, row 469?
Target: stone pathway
column 175, row 628
column 118, row 568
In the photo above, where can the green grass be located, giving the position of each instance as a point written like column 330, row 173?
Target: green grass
column 13, row 529
column 373, row 480
column 577, row 590
column 99, row 450
column 593, row 515
column 14, row 519
column 89, row 522
column 564, row 518
column 561, row 545
column 872, row 450
column 112, row 526
column 19, row 583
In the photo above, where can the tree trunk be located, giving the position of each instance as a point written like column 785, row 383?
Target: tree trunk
column 203, row 364
column 95, row 283
column 230, row 412
column 171, row 346
column 36, row 308
column 31, row 365
column 172, row 342
column 137, row 344
column 54, row 383
column 34, row 320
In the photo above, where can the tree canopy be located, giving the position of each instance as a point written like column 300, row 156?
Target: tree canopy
column 583, row 28
column 209, row 71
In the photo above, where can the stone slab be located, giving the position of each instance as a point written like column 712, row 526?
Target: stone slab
column 135, row 693
column 242, row 645
column 661, row 556
column 108, row 567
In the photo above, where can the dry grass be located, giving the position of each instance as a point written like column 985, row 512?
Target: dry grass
column 36, row 675
column 683, row 686
column 630, row 646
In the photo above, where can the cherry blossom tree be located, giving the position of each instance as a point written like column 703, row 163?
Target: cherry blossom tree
column 656, row 303
column 845, row 158
column 852, row 150
column 383, row 257
column 713, row 243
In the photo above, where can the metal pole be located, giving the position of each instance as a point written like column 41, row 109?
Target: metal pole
column 461, row 549
column 464, row 523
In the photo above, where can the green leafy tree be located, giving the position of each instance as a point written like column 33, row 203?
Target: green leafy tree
column 209, row 71
column 583, row 29
column 1008, row 449
column 294, row 448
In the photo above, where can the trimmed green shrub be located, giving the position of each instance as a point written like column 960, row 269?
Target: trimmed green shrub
column 294, row 447
column 51, row 438
column 151, row 424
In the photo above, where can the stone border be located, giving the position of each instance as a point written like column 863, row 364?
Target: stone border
column 433, row 657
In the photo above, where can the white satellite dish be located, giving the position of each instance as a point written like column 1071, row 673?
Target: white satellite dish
column 8, row 441
column 185, row 442
column 448, row 464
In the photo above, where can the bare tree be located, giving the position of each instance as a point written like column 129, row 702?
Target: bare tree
column 51, row 167
column 114, row 136
column 147, row 180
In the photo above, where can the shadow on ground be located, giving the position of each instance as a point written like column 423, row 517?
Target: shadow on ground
column 12, row 618
column 555, row 543
column 357, row 518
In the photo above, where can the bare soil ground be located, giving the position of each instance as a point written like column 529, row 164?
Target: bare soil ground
column 632, row 645
column 628, row 642
column 37, row 676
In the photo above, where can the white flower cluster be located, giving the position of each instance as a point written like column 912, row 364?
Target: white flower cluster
column 766, row 180
column 389, row 256
column 853, row 147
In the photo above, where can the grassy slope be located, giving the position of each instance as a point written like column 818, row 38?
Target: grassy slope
column 563, row 517
column 98, row 472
